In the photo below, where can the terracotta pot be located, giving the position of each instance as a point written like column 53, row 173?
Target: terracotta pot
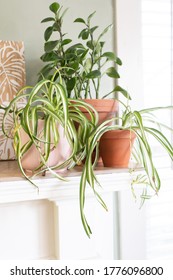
column 31, row 159
column 115, row 148
column 106, row 108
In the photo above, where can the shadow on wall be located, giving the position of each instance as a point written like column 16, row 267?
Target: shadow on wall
column 33, row 66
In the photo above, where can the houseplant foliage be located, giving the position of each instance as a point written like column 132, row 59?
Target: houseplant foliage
column 47, row 101
column 74, row 72
column 145, row 125
column 87, row 59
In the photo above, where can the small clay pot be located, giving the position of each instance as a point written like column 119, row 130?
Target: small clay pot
column 115, row 148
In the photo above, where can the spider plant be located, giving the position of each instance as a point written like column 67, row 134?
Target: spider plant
column 48, row 101
column 144, row 124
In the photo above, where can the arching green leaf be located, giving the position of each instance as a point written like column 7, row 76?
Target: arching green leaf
column 105, row 31
column 90, row 16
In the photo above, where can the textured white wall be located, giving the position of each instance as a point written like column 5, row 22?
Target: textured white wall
column 20, row 20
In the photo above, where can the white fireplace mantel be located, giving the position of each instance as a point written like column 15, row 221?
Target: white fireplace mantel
column 46, row 224
column 13, row 187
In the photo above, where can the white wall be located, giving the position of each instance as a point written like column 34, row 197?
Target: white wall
column 129, row 48
column 20, row 20
column 132, row 220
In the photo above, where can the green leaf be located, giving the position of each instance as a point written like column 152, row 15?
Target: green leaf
column 63, row 13
column 70, row 84
column 111, row 56
column 93, row 74
column 74, row 65
column 48, row 32
column 90, row 16
column 93, row 29
column 47, row 19
column 70, row 72
column 82, row 55
column 123, row 91
column 118, row 61
column 88, row 64
column 84, row 34
column 54, row 7
column 57, row 26
column 66, row 42
column 79, row 20
column 97, row 50
column 112, row 72
column 70, row 56
column 49, row 46
column 118, row 89
column 46, row 57
column 90, row 44
column 105, row 31
column 75, row 47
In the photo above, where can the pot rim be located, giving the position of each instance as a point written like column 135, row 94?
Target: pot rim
column 103, row 105
column 119, row 133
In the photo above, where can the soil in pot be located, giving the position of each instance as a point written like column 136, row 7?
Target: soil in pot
column 115, row 148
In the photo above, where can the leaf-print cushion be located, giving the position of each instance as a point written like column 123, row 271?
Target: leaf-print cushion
column 12, row 79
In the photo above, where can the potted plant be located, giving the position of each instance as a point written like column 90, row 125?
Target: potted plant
column 138, row 125
column 87, row 59
column 44, row 132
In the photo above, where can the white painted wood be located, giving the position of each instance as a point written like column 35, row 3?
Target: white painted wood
column 26, row 230
column 15, row 188
column 132, row 228
column 72, row 242
column 47, row 224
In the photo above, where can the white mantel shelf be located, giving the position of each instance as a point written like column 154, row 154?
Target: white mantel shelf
column 13, row 187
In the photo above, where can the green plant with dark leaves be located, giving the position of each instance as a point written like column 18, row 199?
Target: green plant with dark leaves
column 95, row 64
column 84, row 63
